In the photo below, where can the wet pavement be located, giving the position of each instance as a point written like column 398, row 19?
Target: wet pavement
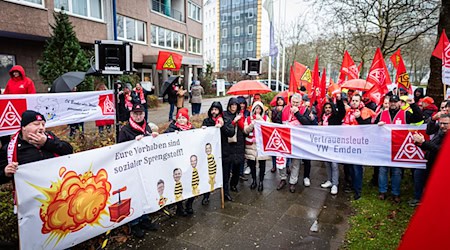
column 270, row 219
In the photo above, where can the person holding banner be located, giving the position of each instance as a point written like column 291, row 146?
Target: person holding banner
column 395, row 115
column 332, row 116
column 277, row 112
column 136, row 129
column 294, row 114
column 182, row 123
column 357, row 114
column 216, row 119
column 30, row 144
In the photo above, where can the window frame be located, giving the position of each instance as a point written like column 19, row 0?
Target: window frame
column 236, row 47
column 136, row 33
column 30, row 4
column 197, row 12
column 249, row 48
column 224, row 33
column 70, row 12
column 248, row 29
column 175, row 35
column 237, row 31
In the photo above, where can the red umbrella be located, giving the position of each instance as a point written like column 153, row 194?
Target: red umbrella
column 285, row 94
column 357, row 84
column 248, row 87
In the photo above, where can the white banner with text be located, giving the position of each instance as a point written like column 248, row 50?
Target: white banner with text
column 369, row 145
column 69, row 199
column 57, row 108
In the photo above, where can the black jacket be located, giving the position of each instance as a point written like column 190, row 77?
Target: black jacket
column 27, row 153
column 277, row 115
column 304, row 118
column 227, row 130
column 172, row 128
column 234, row 150
column 432, row 149
column 127, row 133
column 414, row 117
column 337, row 113
column 124, row 113
column 171, row 94
column 146, row 93
column 432, row 127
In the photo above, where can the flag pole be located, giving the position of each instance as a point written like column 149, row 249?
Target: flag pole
column 283, row 69
column 279, row 44
column 270, row 71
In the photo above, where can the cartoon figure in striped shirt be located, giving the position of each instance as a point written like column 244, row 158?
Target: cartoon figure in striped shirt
column 195, row 177
column 162, row 200
column 178, row 186
column 212, row 167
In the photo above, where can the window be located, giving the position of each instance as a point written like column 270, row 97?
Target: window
column 224, row 63
column 250, row 46
column 224, row 18
column 237, row 62
column 85, row 8
column 237, row 15
column 250, row 29
column 237, row 31
column 250, row 13
column 224, row 32
column 195, row 45
column 166, row 38
column 6, row 63
column 237, row 47
column 130, row 29
column 36, row 3
column 194, row 12
column 224, row 48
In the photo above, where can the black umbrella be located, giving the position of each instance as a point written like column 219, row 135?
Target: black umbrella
column 67, row 82
column 167, row 83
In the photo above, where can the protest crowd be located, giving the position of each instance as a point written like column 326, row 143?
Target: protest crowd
column 240, row 159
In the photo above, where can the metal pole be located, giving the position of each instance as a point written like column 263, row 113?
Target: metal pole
column 114, row 18
column 283, row 69
column 270, row 71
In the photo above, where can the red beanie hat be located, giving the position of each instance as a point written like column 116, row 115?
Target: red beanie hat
column 183, row 112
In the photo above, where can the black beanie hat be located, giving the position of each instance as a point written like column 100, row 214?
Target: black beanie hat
column 30, row 116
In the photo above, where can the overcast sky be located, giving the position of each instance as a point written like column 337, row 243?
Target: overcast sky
column 290, row 11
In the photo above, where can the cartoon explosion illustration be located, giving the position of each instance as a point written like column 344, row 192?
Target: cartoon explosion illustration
column 73, row 202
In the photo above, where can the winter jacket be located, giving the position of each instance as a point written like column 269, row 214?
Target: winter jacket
column 432, row 149
column 432, row 127
column 27, row 153
column 277, row 114
column 127, row 133
column 171, row 93
column 21, row 84
column 173, row 128
column 429, row 111
column 235, row 150
column 180, row 97
column 251, row 153
column 337, row 113
column 145, row 93
column 227, row 130
column 196, row 93
column 124, row 112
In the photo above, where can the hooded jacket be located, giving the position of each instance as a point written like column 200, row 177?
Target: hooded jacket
column 227, row 130
column 21, row 84
column 417, row 98
column 235, row 150
column 241, row 99
column 251, row 152
column 337, row 114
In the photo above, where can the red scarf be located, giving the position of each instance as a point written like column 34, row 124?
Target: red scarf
column 12, row 148
column 128, row 103
column 325, row 118
column 350, row 118
column 138, row 127
column 216, row 119
column 183, row 127
column 141, row 95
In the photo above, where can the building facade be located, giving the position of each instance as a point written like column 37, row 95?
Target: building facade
column 210, row 33
column 150, row 25
column 239, row 32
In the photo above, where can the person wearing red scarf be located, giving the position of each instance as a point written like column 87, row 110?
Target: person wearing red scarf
column 141, row 96
column 126, row 100
column 136, row 129
column 30, row 144
column 182, row 123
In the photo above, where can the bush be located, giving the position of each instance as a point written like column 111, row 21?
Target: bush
column 9, row 229
column 267, row 98
column 152, row 101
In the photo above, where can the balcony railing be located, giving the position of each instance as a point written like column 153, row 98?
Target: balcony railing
column 166, row 10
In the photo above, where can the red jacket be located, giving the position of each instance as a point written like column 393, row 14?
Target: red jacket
column 21, row 84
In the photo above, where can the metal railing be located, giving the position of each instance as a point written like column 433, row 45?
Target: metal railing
column 166, row 10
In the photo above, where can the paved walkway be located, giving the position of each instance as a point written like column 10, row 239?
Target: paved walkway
column 264, row 220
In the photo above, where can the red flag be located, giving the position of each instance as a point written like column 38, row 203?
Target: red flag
column 429, row 227
column 395, row 58
column 348, row 69
column 302, row 75
column 379, row 77
column 437, row 52
column 334, row 88
column 315, row 82
column 402, row 77
column 169, row 60
column 321, row 93
column 294, row 85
